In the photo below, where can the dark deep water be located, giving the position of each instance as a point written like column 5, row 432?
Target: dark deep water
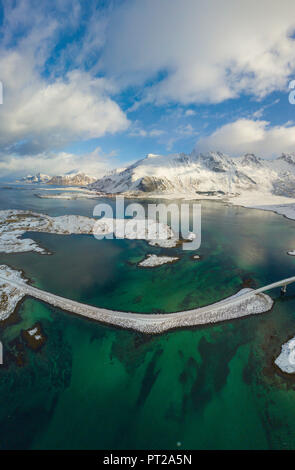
column 97, row 387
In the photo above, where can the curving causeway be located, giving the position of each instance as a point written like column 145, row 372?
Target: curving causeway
column 245, row 302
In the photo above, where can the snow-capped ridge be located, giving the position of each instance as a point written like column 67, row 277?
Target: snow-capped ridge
column 212, row 174
column 38, row 178
column 288, row 158
column 250, row 159
column 72, row 178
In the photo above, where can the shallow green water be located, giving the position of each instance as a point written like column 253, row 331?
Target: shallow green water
column 93, row 386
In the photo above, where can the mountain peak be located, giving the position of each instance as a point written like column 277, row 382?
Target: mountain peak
column 251, row 159
column 288, row 158
column 38, row 178
column 216, row 161
column 72, row 178
column 152, row 155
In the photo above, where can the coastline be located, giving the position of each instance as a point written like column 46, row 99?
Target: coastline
column 280, row 205
column 14, row 223
column 157, row 327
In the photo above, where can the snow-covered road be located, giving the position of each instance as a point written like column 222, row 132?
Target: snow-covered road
column 245, row 302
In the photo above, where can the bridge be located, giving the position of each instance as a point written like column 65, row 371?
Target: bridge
column 245, row 302
column 283, row 284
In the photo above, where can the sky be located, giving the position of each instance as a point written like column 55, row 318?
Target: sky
column 97, row 85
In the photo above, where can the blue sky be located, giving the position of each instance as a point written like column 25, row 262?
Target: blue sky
column 96, row 85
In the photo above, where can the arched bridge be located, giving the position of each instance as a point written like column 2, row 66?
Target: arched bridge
column 245, row 302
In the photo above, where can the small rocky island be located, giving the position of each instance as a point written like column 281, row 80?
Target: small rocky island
column 151, row 261
column 291, row 253
column 286, row 360
column 34, row 337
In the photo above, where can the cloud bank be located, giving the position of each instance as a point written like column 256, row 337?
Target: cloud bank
column 95, row 163
column 246, row 135
column 67, row 67
column 46, row 106
column 201, row 52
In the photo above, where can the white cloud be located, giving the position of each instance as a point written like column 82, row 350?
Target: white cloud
column 94, row 163
column 45, row 107
column 137, row 131
column 189, row 112
column 43, row 115
column 156, row 132
column 260, row 112
column 186, row 130
column 204, row 51
column 246, row 135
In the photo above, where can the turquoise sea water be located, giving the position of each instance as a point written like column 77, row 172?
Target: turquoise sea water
column 97, row 387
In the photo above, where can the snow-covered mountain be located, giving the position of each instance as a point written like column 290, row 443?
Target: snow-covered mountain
column 38, row 178
column 73, row 178
column 210, row 174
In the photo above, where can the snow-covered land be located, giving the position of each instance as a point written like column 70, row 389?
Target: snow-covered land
column 67, row 189
column 72, row 178
column 14, row 223
column 286, row 360
column 244, row 303
column 152, row 261
column 69, row 195
column 268, row 202
column 9, row 294
column 247, row 180
column 38, row 178
column 32, row 332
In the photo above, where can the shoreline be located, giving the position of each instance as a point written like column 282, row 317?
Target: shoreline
column 216, row 312
column 14, row 223
column 270, row 203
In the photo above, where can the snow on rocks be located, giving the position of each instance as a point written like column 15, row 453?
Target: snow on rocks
column 68, row 195
column 191, row 236
column 9, row 294
column 152, row 261
column 33, row 331
column 168, row 243
column 286, row 360
column 280, row 205
column 70, row 189
column 34, row 337
column 14, row 223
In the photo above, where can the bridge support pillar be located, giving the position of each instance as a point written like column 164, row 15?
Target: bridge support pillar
column 283, row 289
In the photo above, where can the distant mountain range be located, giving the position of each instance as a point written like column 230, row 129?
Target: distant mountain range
column 38, row 178
column 212, row 174
column 196, row 174
column 73, row 178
